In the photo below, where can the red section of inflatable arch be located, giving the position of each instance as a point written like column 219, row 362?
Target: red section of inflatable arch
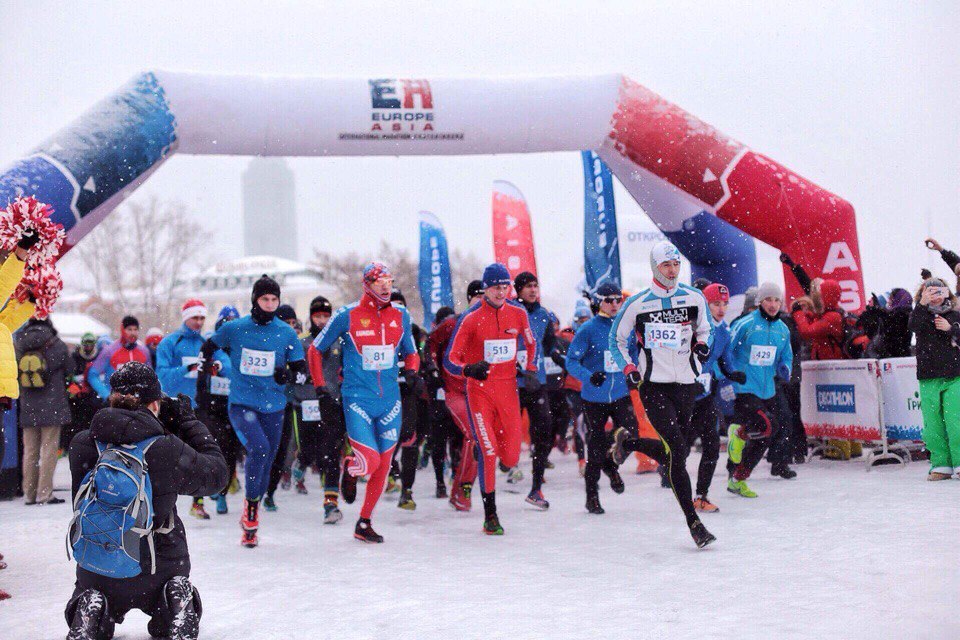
column 752, row 192
column 512, row 232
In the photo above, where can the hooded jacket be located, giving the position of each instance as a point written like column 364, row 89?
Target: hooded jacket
column 823, row 332
column 187, row 464
column 45, row 406
column 589, row 353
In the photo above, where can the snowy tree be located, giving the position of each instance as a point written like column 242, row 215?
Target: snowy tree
column 135, row 258
column 343, row 272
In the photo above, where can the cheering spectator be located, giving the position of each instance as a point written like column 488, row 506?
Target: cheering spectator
column 936, row 323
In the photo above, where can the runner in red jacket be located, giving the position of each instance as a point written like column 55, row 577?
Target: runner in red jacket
column 455, row 391
column 484, row 350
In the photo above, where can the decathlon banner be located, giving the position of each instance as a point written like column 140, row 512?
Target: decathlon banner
column 512, row 233
column 601, row 248
column 436, row 289
column 902, row 418
column 841, row 399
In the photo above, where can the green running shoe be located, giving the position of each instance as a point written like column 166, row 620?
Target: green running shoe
column 735, row 444
column 740, row 488
column 491, row 526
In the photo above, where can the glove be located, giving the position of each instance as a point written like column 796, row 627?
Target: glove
column 280, row 375
column 787, row 260
column 598, row 378
column 634, row 379
column 737, row 376
column 412, row 380
column 702, row 351
column 558, row 359
column 478, row 370
column 531, row 382
column 175, row 412
column 796, row 306
column 28, row 238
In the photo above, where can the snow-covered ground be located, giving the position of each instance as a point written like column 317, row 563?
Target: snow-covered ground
column 837, row 553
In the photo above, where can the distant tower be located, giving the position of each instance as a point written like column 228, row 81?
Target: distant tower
column 269, row 212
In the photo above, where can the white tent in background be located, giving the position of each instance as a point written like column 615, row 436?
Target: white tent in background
column 71, row 326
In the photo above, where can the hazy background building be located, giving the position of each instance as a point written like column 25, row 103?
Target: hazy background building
column 269, row 209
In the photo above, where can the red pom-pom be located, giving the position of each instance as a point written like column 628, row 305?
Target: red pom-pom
column 45, row 284
column 29, row 213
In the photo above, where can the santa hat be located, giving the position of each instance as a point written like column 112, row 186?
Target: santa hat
column 192, row 308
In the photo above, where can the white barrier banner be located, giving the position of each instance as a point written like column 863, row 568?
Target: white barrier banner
column 901, row 398
column 841, row 399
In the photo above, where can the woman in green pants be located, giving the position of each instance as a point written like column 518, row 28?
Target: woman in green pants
column 936, row 323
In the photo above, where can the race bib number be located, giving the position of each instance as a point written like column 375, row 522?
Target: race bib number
column 377, row 357
column 762, row 355
column 219, row 386
column 662, row 335
column 609, row 364
column 311, row 410
column 257, row 363
column 705, row 380
column 497, row 351
column 522, row 359
column 551, row 367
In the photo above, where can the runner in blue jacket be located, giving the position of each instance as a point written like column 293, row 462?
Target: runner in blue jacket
column 706, row 415
column 760, row 347
column 261, row 349
column 604, row 391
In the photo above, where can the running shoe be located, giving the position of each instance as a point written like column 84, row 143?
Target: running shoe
column 740, row 488
column 705, row 506
column 536, row 499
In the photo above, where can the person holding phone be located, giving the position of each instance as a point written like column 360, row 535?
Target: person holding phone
column 936, row 323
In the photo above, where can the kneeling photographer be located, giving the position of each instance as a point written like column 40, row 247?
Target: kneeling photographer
column 139, row 454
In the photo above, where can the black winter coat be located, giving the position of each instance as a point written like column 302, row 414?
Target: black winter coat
column 188, row 465
column 938, row 355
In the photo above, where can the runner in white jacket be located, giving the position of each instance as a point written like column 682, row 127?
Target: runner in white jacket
column 671, row 323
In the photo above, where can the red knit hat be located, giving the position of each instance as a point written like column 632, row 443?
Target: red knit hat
column 193, row 308
column 716, row 292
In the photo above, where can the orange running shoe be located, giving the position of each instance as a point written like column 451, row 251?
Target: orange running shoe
column 704, row 505
column 645, row 464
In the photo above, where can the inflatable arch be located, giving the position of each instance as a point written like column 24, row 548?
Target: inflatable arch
column 683, row 173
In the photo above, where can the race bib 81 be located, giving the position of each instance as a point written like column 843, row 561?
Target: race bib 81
column 377, row 357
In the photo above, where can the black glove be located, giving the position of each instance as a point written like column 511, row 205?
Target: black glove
column 325, row 400
column 175, row 412
column 702, row 351
column 280, row 375
column 412, row 381
column 634, row 379
column 531, row 382
column 796, row 306
column 28, row 238
column 737, row 376
column 478, row 370
column 558, row 359
column 598, row 378
column 787, row 260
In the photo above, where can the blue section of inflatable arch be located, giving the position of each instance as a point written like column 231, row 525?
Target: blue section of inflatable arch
column 717, row 251
column 99, row 154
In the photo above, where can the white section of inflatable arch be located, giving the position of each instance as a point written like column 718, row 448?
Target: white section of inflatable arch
column 249, row 115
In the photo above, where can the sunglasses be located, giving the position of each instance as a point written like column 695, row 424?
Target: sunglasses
column 610, row 300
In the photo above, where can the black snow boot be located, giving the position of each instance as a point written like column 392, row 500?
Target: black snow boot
column 180, row 611
column 782, row 470
column 89, row 617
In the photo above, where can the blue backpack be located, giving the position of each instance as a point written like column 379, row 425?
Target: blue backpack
column 113, row 510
